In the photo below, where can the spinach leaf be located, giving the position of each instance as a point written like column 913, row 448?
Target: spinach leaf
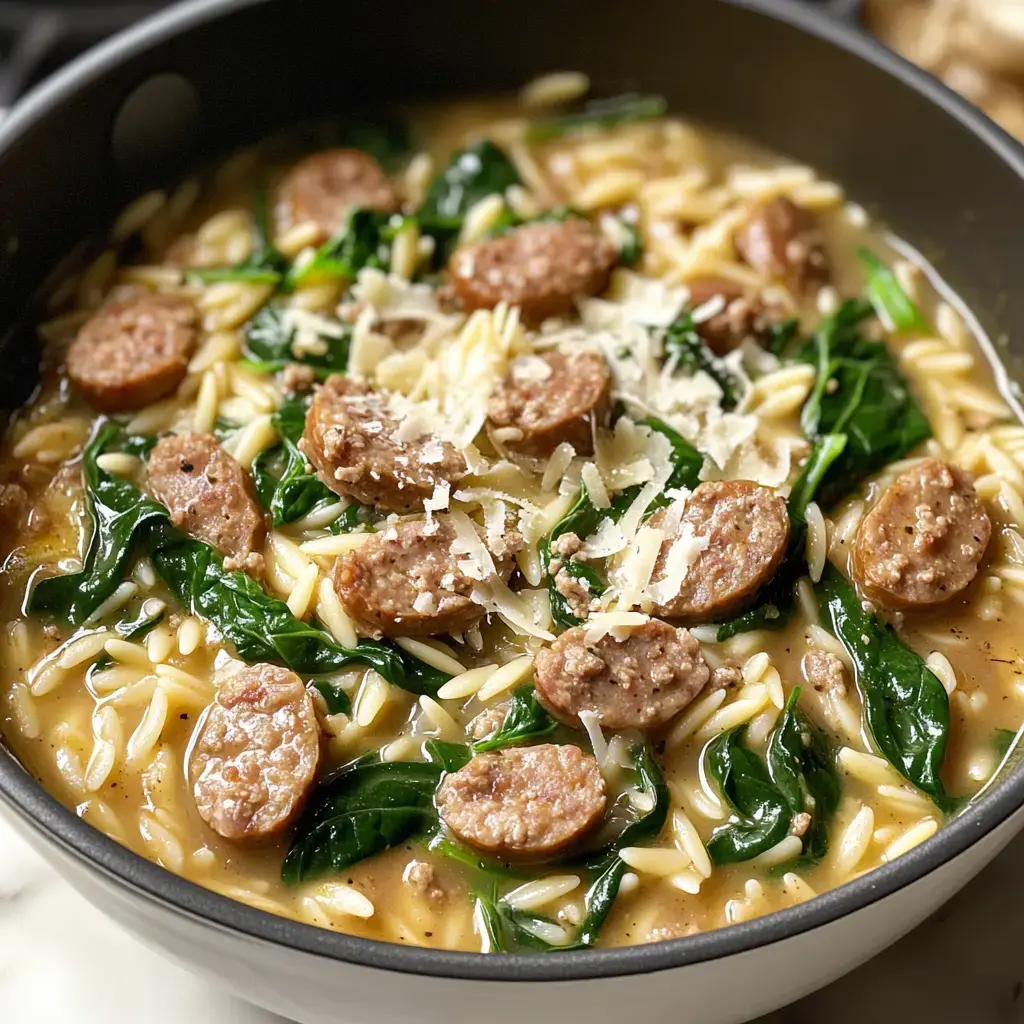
column 599, row 114
column 365, row 809
column 860, row 392
column 686, row 350
column 631, row 246
column 762, row 811
column 526, row 719
column 131, row 629
column 450, row 756
column 905, row 705
column 507, row 929
column 363, row 241
column 262, row 628
column 774, row 604
column 472, row 174
column 439, row 843
column 802, row 766
column 336, row 699
column 384, row 137
column 606, row 864
column 269, row 338
column 780, row 335
column 266, row 264
column 283, row 482
column 118, row 512
column 894, row 307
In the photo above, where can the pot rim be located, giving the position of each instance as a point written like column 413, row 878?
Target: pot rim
column 143, row 878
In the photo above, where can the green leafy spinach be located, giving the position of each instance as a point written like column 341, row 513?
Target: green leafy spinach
column 905, row 705
column 526, row 719
column 597, row 115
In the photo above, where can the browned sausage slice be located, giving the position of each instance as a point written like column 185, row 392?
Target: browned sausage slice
column 922, row 543
column 639, row 682
column 785, row 243
column 746, row 527
column 323, row 187
column 540, row 267
column 524, row 801
column 209, row 496
column 552, row 398
column 405, row 581
column 256, row 756
column 351, row 437
column 729, row 316
column 133, row 351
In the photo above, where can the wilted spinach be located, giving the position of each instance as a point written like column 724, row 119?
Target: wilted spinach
column 892, row 304
column 860, row 392
column 599, row 114
column 683, row 344
column 269, row 337
column 802, row 766
column 450, row 756
column 905, row 705
column 605, row 864
column 118, row 511
column 364, row 809
column 337, row 700
column 526, row 719
column 286, row 487
column 763, row 814
column 472, row 174
column 363, row 241
column 266, row 264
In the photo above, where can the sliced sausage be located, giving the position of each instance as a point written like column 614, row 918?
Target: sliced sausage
column 133, row 351
column 746, row 527
column 727, row 315
column 639, row 682
column 324, row 187
column 540, row 267
column 785, row 243
column 405, row 581
column 256, row 756
column 552, row 398
column 922, row 543
column 524, row 801
column 352, row 437
column 209, row 496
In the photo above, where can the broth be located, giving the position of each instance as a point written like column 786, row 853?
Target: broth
column 113, row 742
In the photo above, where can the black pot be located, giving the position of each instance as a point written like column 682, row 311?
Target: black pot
column 207, row 76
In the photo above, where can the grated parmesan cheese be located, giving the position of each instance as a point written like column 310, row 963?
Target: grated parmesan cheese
column 616, row 624
column 596, row 490
column 682, row 554
column 634, row 574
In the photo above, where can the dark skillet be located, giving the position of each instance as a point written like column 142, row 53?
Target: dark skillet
column 206, row 77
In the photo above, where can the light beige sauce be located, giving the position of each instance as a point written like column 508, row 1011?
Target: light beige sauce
column 679, row 178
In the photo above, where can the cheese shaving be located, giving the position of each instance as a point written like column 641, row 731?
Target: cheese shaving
column 634, row 574
column 495, row 596
column 682, row 554
column 618, row 625
column 596, row 490
column 472, row 557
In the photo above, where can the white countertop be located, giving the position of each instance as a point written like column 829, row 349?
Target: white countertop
column 62, row 962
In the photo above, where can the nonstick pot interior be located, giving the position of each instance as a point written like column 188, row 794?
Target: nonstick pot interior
column 201, row 80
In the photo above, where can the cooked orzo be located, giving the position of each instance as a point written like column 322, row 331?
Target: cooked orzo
column 574, row 527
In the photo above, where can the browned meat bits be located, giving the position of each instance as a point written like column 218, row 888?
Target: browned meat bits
column 922, row 543
column 746, row 527
column 133, row 351
column 324, row 187
column 256, row 756
column 540, row 267
column 551, row 398
column 731, row 316
column 524, row 801
column 639, row 682
column 352, row 437
column 785, row 243
column 405, row 581
column 209, row 496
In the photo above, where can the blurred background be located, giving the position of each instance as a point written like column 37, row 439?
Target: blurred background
column 975, row 46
